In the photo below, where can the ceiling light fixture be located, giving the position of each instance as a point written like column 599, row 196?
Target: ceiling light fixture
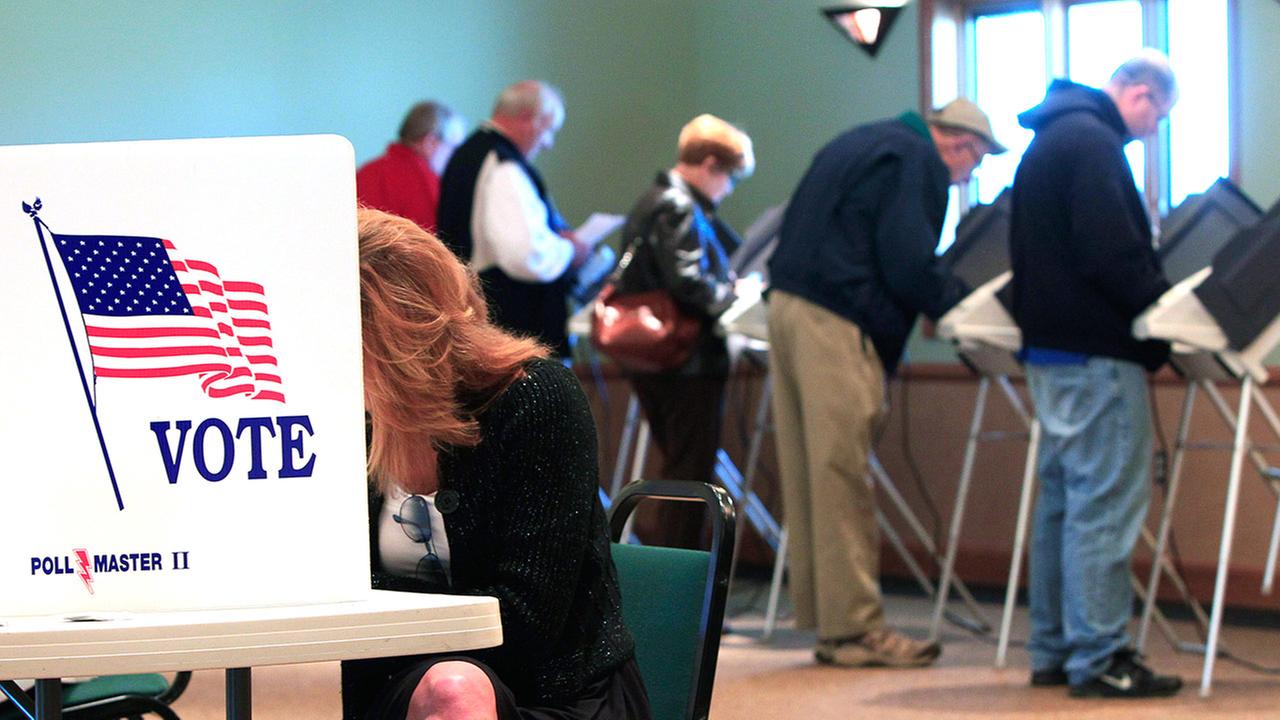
column 865, row 23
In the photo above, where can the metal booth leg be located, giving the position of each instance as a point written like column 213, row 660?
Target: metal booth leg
column 878, row 476
column 642, row 451
column 775, row 586
column 1228, row 531
column 1019, row 543
column 1269, row 576
column 770, row 530
column 637, row 469
column 1166, row 514
column 957, row 513
column 1272, row 476
column 629, row 427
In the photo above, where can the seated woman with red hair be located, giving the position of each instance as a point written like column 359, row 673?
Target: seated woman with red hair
column 483, row 480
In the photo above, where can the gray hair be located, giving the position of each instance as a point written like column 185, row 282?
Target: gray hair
column 1151, row 68
column 530, row 97
column 427, row 118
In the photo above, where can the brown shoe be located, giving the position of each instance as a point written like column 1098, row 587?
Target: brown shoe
column 878, row 648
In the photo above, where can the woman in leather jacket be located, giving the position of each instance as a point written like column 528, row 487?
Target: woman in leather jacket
column 675, row 242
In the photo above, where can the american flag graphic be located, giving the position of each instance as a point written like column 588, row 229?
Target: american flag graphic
column 150, row 313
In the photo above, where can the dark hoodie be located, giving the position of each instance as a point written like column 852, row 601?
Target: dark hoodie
column 1080, row 241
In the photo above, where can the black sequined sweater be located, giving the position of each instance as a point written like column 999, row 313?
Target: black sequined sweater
column 525, row 524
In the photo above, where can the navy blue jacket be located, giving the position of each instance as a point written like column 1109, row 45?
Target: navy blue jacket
column 860, row 232
column 1080, row 238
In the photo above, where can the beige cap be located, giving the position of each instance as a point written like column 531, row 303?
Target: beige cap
column 962, row 114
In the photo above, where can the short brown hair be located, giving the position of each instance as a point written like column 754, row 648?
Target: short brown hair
column 709, row 136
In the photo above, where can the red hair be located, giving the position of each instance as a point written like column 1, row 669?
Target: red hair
column 432, row 359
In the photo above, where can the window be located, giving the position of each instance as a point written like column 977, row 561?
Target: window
column 1008, row 77
column 1100, row 36
column 1200, row 124
column 1003, row 53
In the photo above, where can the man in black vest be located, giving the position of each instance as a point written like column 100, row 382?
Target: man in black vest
column 495, row 213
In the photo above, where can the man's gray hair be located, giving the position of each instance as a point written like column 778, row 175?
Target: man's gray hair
column 529, row 97
column 1151, row 68
column 426, row 118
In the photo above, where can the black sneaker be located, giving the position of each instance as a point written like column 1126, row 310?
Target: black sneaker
column 1127, row 677
column 1048, row 677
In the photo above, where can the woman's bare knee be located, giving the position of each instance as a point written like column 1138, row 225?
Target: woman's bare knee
column 453, row 690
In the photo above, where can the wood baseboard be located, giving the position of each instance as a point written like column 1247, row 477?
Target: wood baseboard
column 990, row 570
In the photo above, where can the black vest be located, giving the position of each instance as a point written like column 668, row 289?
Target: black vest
column 535, row 309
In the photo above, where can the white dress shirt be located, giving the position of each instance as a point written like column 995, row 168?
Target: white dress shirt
column 509, row 226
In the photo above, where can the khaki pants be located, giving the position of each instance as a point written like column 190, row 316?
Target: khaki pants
column 828, row 395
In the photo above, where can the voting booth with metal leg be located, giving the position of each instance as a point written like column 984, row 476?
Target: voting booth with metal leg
column 1193, row 233
column 186, row 446
column 987, row 340
column 1223, row 321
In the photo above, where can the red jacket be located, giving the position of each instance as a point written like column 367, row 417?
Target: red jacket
column 402, row 183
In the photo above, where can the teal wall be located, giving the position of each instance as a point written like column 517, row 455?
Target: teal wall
column 792, row 82
column 142, row 69
column 1260, row 116
column 632, row 72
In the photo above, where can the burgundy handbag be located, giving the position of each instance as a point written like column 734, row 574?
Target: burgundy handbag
column 644, row 331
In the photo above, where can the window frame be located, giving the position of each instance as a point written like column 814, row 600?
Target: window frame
column 957, row 15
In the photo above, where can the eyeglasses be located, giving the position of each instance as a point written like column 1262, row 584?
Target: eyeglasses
column 976, row 150
column 415, row 519
column 732, row 173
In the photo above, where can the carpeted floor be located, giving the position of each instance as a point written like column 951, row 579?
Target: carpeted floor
column 759, row 680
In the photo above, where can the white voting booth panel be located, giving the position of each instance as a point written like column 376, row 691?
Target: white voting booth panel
column 1179, row 317
column 980, row 326
column 181, row 421
column 1201, row 351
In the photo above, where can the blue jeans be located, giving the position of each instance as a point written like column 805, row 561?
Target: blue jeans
column 1094, row 467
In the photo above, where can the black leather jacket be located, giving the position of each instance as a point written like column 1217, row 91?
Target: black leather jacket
column 672, row 240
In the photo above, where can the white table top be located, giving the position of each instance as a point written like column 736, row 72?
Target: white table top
column 383, row 624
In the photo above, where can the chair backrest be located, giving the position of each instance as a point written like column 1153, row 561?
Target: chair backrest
column 673, row 599
column 116, row 696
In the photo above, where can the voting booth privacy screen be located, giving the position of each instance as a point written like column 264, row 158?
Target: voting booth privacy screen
column 1200, row 226
column 981, row 248
column 181, row 414
column 1240, row 293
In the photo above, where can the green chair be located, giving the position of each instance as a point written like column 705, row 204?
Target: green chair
column 112, row 697
column 673, row 599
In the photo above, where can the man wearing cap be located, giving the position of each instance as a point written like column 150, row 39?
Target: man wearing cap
column 1083, row 269
column 853, row 268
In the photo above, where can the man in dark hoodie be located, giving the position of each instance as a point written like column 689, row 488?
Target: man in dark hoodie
column 1083, row 269
column 853, row 268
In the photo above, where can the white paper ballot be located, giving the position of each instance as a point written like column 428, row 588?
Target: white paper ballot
column 597, row 227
